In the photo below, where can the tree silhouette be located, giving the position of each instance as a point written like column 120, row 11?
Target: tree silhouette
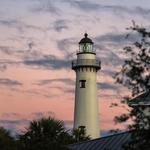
column 135, row 74
column 7, row 142
column 80, row 134
column 50, row 134
column 45, row 134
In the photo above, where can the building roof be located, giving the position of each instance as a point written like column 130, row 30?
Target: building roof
column 86, row 39
column 141, row 100
column 112, row 142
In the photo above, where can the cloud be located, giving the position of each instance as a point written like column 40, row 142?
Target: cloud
column 108, row 72
column 32, row 58
column 17, row 123
column 68, row 123
column 47, row 62
column 49, row 81
column 118, row 10
column 31, row 45
column 9, row 23
column 94, row 6
column 9, row 82
column 108, row 97
column 3, row 67
column 72, row 91
column 110, row 51
column 45, row 6
column 107, row 86
column 116, row 38
column 13, row 122
column 83, row 5
column 18, row 53
column 65, row 45
column 142, row 11
column 43, row 93
column 37, row 92
column 6, row 63
column 43, row 114
column 109, row 59
column 9, row 115
column 59, row 25
column 38, row 60
column 21, row 53
column 6, row 50
column 111, row 37
column 20, row 26
column 15, row 126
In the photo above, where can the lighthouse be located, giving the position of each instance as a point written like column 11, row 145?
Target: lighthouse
column 86, row 103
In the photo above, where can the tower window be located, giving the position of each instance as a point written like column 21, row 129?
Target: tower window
column 82, row 83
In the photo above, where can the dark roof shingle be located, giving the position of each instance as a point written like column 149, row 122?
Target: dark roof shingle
column 113, row 142
column 142, row 99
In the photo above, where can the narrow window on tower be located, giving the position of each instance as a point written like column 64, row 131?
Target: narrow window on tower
column 82, row 83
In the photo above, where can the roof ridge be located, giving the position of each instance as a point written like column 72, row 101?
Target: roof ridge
column 145, row 92
column 124, row 132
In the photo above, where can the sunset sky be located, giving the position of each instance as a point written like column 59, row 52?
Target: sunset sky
column 38, row 41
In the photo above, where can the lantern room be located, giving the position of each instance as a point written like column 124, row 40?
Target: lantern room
column 86, row 45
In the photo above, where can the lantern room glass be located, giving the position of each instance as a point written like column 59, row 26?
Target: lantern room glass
column 86, row 47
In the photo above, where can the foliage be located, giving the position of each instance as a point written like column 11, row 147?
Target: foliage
column 50, row 134
column 6, row 141
column 140, row 137
column 45, row 134
column 80, row 134
column 135, row 74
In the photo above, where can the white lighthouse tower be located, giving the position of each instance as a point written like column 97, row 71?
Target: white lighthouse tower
column 86, row 102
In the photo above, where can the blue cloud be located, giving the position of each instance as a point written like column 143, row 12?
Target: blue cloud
column 45, row 6
column 49, row 81
column 48, row 62
column 105, row 85
column 9, row 82
column 116, row 9
column 60, row 25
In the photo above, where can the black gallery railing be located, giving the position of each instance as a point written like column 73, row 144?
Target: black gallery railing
column 86, row 62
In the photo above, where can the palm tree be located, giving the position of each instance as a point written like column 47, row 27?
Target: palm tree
column 45, row 134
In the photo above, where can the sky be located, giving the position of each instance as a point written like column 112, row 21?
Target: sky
column 38, row 41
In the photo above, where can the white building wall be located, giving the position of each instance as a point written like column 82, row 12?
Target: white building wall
column 86, row 56
column 86, row 103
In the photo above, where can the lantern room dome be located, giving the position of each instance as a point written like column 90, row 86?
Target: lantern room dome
column 86, row 39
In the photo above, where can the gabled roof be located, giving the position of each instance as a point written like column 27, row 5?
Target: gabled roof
column 112, row 142
column 141, row 100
